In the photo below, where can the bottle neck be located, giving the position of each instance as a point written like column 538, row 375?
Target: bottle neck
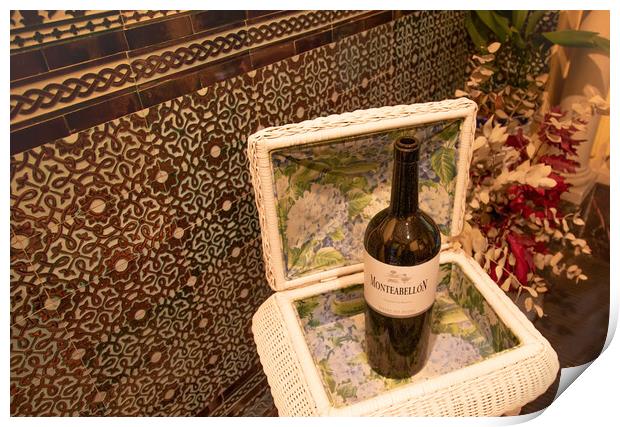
column 404, row 201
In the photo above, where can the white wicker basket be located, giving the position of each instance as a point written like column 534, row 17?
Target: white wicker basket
column 505, row 379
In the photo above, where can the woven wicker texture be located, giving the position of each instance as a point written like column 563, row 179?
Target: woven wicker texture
column 290, row 392
column 490, row 388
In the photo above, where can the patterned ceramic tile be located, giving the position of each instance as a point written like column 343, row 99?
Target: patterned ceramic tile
column 27, row 293
column 294, row 90
column 202, row 152
column 105, row 210
column 133, row 17
column 252, row 399
column 242, row 387
column 62, row 179
column 430, row 54
column 136, row 252
column 37, row 27
column 145, row 361
column 362, row 56
column 52, row 91
column 259, row 404
column 47, row 370
column 39, row 97
column 199, row 337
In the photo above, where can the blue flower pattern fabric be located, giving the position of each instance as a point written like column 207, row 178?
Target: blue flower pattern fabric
column 464, row 332
column 326, row 193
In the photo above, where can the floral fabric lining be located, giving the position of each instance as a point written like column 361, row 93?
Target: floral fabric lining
column 326, row 193
column 465, row 330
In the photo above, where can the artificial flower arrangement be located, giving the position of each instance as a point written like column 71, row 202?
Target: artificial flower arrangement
column 515, row 225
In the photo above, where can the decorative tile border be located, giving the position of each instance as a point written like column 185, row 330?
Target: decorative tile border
column 38, row 27
column 35, row 28
column 137, row 17
column 207, row 59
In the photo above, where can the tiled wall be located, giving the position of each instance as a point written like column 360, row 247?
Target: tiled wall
column 135, row 254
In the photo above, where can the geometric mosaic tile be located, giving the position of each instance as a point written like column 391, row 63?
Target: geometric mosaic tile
column 136, row 261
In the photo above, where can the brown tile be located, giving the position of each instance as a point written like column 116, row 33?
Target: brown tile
column 103, row 112
column 172, row 45
column 80, row 50
column 74, row 69
column 397, row 14
column 159, row 91
column 211, row 407
column 312, row 41
column 211, row 19
column 47, row 371
column 252, row 374
column 27, row 64
column 273, row 53
column 158, row 32
column 53, row 26
column 255, row 16
column 303, row 83
column 38, row 134
column 377, row 19
column 251, row 14
column 225, row 69
column 255, row 403
column 141, row 17
column 346, row 29
column 27, row 292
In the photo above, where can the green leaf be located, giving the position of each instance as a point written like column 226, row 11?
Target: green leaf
column 302, row 180
column 577, row 38
column 356, row 168
column 476, row 36
column 313, row 323
column 316, row 165
column 486, row 17
column 518, row 18
column 337, row 235
column 306, row 306
column 503, row 24
column 348, row 307
column 328, row 374
column 358, row 200
column 519, row 40
column 602, row 43
column 443, row 163
column 533, row 19
column 448, row 133
column 346, row 391
column 327, row 257
column 301, row 257
column 496, row 23
column 290, row 169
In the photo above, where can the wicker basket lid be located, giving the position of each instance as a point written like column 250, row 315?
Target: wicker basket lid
column 318, row 182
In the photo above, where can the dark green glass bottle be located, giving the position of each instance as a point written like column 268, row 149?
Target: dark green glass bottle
column 401, row 269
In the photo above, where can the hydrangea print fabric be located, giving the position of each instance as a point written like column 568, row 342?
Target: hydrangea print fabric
column 333, row 324
column 326, row 193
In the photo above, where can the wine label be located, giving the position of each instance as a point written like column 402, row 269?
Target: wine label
column 400, row 291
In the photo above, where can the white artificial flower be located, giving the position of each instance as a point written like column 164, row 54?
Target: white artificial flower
column 435, row 201
column 380, row 201
column 352, row 245
column 317, row 213
column 282, row 186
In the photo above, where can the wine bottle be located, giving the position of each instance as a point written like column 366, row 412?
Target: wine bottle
column 401, row 270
